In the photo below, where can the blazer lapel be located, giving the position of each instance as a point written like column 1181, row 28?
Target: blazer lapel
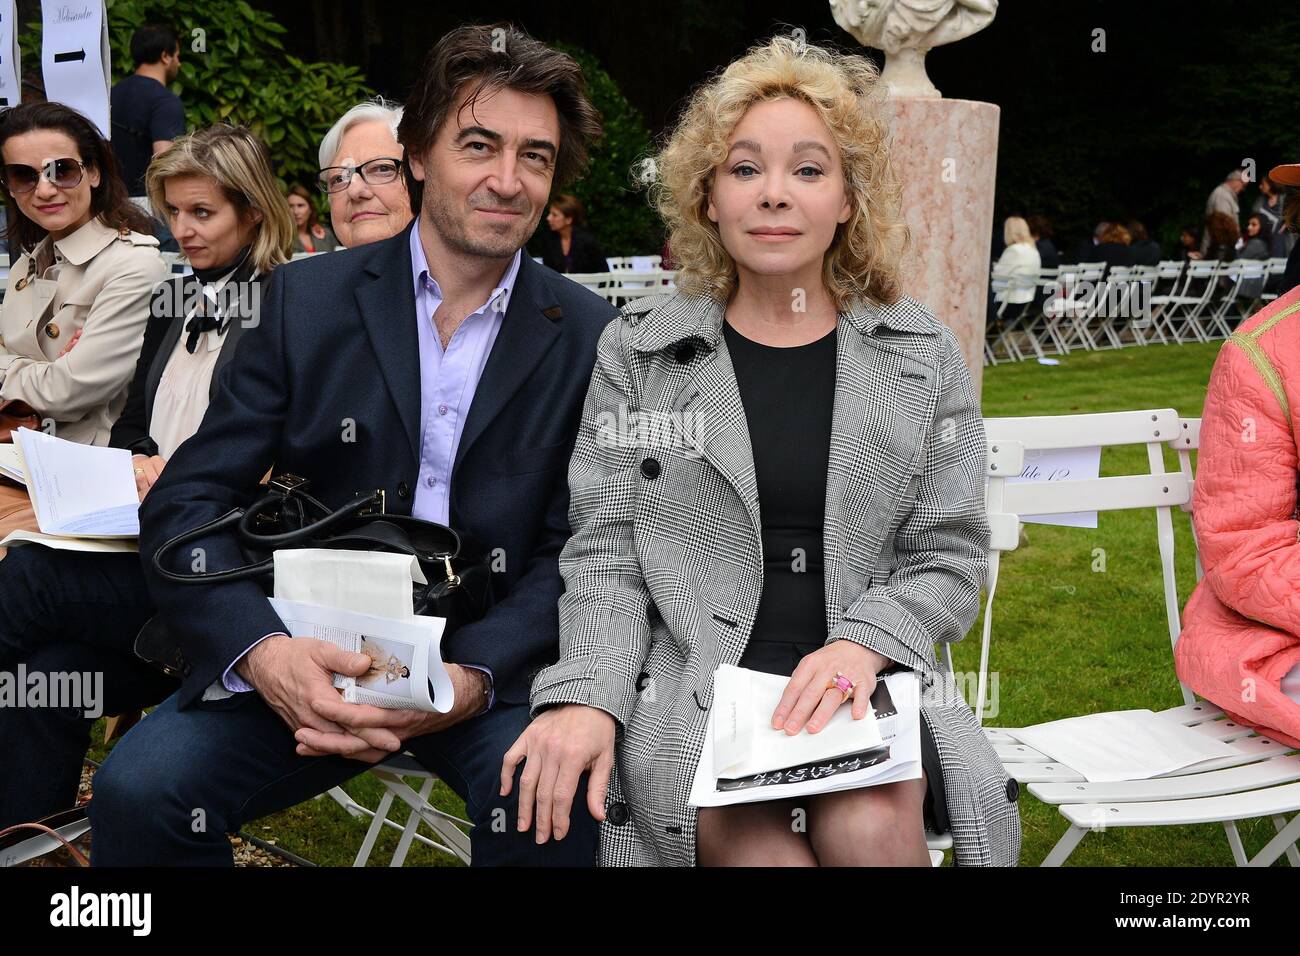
column 527, row 333
column 387, row 307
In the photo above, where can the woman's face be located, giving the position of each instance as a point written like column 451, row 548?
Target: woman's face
column 1187, row 239
column 780, row 194
column 207, row 225
column 59, row 212
column 558, row 220
column 364, row 213
column 1252, row 226
column 301, row 210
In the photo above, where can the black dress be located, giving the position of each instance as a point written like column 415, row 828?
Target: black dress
column 789, row 400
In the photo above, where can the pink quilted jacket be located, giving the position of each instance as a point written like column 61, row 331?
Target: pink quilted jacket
column 1242, row 625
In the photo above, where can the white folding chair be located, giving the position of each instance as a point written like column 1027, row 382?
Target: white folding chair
column 1180, row 310
column 1276, row 267
column 449, row 831
column 1260, row 779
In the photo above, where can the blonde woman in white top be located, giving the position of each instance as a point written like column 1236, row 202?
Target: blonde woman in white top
column 1019, row 258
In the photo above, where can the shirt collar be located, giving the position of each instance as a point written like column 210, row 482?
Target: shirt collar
column 422, row 279
column 87, row 242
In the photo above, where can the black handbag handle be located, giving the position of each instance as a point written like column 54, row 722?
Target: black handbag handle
column 297, row 535
column 185, row 537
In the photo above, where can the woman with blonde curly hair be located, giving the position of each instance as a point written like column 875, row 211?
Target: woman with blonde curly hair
column 780, row 467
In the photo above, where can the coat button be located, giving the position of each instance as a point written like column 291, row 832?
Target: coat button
column 1013, row 790
column 403, row 490
column 685, row 352
column 617, row 814
column 52, row 331
column 650, row 468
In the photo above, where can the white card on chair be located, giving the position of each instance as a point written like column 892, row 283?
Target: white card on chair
column 1122, row 745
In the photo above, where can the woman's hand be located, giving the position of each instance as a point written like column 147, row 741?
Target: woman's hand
column 556, row 748
column 76, row 337
column 147, row 469
column 809, row 700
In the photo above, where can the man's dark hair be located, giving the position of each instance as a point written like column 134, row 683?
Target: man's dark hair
column 497, row 56
column 151, row 41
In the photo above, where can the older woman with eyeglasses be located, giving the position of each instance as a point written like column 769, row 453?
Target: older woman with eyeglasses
column 361, row 173
column 84, row 277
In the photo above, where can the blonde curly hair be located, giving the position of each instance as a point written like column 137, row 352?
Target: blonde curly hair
column 865, row 257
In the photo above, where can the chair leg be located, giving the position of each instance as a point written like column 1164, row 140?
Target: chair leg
column 1234, row 842
column 1065, row 846
column 376, row 825
column 1284, row 842
column 412, row 824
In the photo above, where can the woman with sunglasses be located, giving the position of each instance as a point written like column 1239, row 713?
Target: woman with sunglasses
column 84, row 277
column 71, row 612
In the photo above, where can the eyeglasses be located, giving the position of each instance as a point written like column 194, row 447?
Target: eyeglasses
column 376, row 172
column 63, row 173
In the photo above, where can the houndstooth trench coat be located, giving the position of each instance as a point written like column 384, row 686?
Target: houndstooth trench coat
column 664, row 570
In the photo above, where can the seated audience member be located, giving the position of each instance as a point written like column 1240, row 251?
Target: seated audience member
column 361, row 174
column 1113, row 249
column 461, row 365
column 1041, row 229
column 568, row 246
column 1019, row 258
column 1189, row 245
column 670, row 572
column 310, row 234
column 1143, row 250
column 66, row 611
column 1241, row 627
column 1086, row 250
column 77, row 297
column 1255, row 241
column 1220, row 240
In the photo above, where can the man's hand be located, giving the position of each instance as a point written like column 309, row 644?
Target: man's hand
column 809, row 700
column 373, row 733
column 293, row 675
column 557, row 747
column 147, row 469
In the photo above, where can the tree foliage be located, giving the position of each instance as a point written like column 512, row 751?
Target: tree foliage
column 235, row 69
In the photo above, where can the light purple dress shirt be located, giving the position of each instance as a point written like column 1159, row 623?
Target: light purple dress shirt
column 448, row 380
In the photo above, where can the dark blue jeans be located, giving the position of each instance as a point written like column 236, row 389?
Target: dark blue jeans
column 66, row 612
column 182, row 779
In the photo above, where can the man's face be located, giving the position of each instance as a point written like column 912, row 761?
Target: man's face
column 487, row 176
column 172, row 61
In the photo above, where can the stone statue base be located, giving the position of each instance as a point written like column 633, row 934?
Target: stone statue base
column 946, row 153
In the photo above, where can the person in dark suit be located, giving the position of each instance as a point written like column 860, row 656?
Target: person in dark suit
column 1143, row 250
column 1041, row 229
column 569, row 247
column 74, row 612
column 442, row 366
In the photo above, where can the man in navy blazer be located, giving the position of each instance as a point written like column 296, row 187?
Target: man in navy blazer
column 443, row 366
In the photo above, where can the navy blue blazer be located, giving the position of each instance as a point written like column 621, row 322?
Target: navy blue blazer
column 327, row 386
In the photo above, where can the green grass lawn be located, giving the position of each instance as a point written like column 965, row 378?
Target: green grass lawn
column 1067, row 640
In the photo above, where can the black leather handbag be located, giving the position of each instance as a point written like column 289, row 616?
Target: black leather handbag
column 286, row 516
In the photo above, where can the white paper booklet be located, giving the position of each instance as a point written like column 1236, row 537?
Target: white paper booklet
column 21, row 536
column 79, row 491
column 745, row 760
column 11, row 463
column 1122, row 745
column 406, row 673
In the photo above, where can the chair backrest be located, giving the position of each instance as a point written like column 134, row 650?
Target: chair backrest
column 1276, row 266
column 1156, row 489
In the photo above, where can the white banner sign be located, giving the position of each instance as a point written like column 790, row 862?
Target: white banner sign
column 74, row 57
column 11, row 91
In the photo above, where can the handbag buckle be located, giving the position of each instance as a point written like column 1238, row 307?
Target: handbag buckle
column 288, row 484
column 378, row 504
column 453, row 579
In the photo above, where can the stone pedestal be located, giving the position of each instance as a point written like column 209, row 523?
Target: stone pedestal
column 945, row 151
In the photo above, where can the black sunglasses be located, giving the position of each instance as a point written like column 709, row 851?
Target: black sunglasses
column 63, row 173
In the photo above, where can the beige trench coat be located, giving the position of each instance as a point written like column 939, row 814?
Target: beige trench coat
column 96, row 281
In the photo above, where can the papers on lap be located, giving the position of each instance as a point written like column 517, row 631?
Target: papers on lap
column 79, row 491
column 101, row 545
column 11, row 463
column 745, row 760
